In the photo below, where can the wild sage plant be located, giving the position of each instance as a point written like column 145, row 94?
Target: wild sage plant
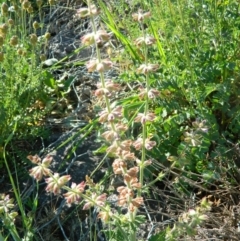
column 126, row 164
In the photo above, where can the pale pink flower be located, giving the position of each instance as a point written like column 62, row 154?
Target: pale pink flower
column 148, row 144
column 137, row 202
column 126, row 178
column 55, row 183
column 118, row 166
column 115, row 113
column 132, row 172
column 136, row 185
column 111, row 86
column 105, row 215
column 96, row 201
column 95, row 65
column 153, row 93
column 92, row 65
column 121, row 127
column 88, row 39
column 145, row 163
column 124, row 194
column 34, row 159
column 192, row 212
column 100, row 92
column 41, row 169
column 110, row 135
column 74, row 195
column 112, row 148
column 103, row 116
column 141, row 117
column 6, row 203
column 123, row 190
column 117, row 148
column 87, row 206
column 82, row 13
column 109, row 89
column 147, row 68
column 86, row 12
column 99, row 37
column 128, row 156
column 138, row 144
column 142, row 93
column 104, row 65
column 140, row 16
column 122, row 200
column 148, row 40
column 125, row 145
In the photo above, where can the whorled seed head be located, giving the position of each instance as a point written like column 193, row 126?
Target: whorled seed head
column 13, row 41
column 11, row 22
column 30, row 10
column 36, row 25
column 26, row 4
column 39, row 3
column 4, row 9
column 3, row 29
column 33, row 39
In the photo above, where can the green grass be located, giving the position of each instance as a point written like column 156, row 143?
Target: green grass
column 24, row 102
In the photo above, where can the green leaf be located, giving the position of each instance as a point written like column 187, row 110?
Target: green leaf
column 49, row 80
column 102, row 149
column 114, row 235
column 67, row 83
column 208, row 90
column 159, row 44
column 140, row 219
column 159, row 237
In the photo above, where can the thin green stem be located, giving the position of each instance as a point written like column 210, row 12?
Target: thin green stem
column 15, row 190
column 144, row 130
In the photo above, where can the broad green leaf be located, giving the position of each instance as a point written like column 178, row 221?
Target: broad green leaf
column 158, row 237
column 49, row 80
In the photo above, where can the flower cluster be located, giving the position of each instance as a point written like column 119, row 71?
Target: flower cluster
column 7, row 216
column 125, row 161
column 42, row 168
column 74, row 195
